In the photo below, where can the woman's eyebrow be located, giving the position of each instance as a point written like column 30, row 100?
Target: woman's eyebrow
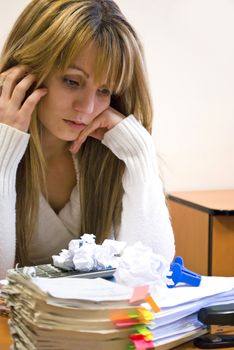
column 73, row 66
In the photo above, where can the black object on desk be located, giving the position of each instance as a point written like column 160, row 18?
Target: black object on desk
column 220, row 319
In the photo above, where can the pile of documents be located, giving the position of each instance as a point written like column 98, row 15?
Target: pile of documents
column 68, row 313
column 74, row 313
column 4, row 310
column 177, row 321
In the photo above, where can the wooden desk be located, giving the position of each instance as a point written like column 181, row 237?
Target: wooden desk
column 203, row 224
column 5, row 339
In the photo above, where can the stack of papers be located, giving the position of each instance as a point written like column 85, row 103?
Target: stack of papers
column 177, row 321
column 67, row 313
column 4, row 310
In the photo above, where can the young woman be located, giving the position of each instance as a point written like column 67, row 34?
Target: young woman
column 76, row 155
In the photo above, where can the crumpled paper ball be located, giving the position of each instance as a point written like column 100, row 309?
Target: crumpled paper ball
column 139, row 265
column 135, row 265
column 85, row 255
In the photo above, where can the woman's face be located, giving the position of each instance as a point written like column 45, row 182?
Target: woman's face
column 74, row 99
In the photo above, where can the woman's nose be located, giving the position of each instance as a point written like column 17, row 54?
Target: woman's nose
column 85, row 103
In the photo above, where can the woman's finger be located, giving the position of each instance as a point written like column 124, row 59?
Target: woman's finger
column 88, row 131
column 11, row 78
column 21, row 89
column 98, row 127
column 31, row 101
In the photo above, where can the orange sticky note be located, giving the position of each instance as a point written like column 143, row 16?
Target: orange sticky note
column 152, row 303
column 139, row 294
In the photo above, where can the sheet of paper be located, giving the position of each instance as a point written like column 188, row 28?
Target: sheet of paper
column 174, row 313
column 96, row 289
column 181, row 294
column 182, row 301
column 186, row 324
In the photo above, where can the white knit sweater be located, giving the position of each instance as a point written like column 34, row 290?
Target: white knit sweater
column 144, row 218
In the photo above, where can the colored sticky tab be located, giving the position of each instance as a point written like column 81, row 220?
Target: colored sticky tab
column 149, row 338
column 146, row 315
column 139, row 294
column 137, row 336
column 152, row 303
column 125, row 323
column 141, row 344
column 144, row 331
column 142, row 338
column 116, row 316
column 134, row 313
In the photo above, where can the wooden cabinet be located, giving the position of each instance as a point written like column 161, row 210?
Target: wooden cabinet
column 203, row 224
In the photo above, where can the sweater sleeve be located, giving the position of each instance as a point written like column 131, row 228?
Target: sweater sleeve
column 13, row 144
column 145, row 216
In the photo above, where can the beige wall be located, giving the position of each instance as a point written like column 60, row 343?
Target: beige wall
column 9, row 10
column 189, row 51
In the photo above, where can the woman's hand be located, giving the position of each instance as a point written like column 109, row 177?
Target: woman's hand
column 98, row 127
column 15, row 108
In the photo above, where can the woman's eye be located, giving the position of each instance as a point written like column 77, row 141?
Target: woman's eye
column 71, row 83
column 105, row 92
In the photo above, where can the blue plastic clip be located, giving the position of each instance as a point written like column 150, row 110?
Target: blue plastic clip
column 180, row 274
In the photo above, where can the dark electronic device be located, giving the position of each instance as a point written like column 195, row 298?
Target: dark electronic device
column 220, row 320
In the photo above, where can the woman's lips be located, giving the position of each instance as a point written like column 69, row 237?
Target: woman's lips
column 74, row 124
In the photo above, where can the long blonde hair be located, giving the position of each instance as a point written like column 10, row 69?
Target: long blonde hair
column 48, row 35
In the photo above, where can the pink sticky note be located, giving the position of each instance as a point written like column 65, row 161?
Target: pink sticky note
column 143, row 345
column 139, row 294
column 125, row 323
